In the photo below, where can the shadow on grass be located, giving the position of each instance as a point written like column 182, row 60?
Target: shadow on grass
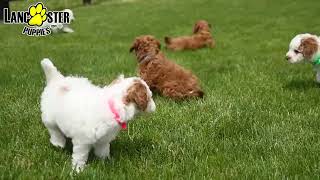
column 299, row 84
column 131, row 149
column 156, row 95
column 69, row 146
column 218, row 69
column 124, row 148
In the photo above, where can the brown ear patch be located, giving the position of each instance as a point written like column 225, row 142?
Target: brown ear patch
column 158, row 43
column 135, row 44
column 133, row 47
column 201, row 25
column 196, row 28
column 308, row 47
column 152, row 41
column 137, row 94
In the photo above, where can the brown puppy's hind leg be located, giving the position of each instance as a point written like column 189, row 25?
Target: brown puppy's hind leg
column 172, row 93
column 211, row 43
column 178, row 92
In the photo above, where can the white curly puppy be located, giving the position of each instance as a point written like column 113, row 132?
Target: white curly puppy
column 90, row 115
column 305, row 47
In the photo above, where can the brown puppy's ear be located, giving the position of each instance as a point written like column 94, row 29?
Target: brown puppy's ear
column 167, row 40
column 308, row 47
column 196, row 28
column 134, row 45
column 137, row 94
column 159, row 44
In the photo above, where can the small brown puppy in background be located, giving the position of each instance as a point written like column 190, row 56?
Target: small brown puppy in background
column 201, row 38
column 161, row 74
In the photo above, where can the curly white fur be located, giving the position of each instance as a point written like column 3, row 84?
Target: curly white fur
column 73, row 107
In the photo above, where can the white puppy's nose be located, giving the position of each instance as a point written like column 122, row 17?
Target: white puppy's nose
column 288, row 57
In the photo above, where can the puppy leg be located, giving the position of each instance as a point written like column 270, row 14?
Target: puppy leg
column 171, row 90
column 177, row 48
column 79, row 156
column 102, row 150
column 56, row 136
column 67, row 29
column 177, row 91
column 318, row 77
column 211, row 44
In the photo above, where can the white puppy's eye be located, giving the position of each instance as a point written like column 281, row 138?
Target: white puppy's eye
column 296, row 51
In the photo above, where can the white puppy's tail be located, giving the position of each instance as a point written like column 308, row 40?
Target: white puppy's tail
column 50, row 70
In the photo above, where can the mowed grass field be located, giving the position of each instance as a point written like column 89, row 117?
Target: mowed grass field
column 259, row 117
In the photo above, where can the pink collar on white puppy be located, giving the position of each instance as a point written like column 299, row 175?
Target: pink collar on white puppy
column 116, row 114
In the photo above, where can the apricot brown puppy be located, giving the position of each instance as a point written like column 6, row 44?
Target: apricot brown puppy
column 201, row 38
column 161, row 74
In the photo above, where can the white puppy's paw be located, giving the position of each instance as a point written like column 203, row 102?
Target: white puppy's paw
column 78, row 167
column 67, row 30
column 102, row 151
column 58, row 142
column 103, row 155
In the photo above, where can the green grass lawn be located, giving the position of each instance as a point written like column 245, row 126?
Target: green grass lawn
column 259, row 118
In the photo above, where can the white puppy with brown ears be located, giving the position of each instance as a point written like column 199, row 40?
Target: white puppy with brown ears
column 90, row 115
column 305, row 47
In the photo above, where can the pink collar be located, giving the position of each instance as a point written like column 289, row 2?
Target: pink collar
column 116, row 114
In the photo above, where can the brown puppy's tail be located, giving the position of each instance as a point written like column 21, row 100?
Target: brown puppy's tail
column 195, row 94
column 198, row 93
column 171, row 90
column 167, row 40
